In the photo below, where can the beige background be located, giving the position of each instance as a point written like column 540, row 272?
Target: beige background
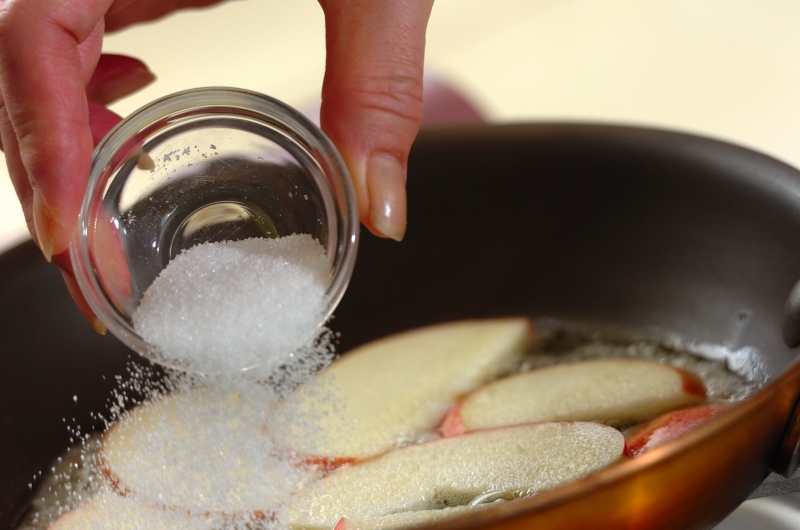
column 725, row 68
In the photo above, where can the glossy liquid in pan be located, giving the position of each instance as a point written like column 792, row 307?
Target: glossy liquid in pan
column 613, row 225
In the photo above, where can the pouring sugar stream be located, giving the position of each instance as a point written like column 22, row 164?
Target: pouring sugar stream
column 231, row 246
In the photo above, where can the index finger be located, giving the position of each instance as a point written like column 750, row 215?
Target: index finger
column 372, row 99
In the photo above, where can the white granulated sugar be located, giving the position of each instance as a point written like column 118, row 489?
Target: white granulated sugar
column 228, row 306
column 197, row 452
column 204, row 450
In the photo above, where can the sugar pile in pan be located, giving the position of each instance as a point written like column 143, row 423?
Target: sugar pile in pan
column 227, row 306
column 206, row 450
column 198, row 452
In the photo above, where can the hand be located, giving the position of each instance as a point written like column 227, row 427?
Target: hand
column 372, row 99
column 54, row 83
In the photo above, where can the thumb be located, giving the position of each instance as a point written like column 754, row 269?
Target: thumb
column 372, row 99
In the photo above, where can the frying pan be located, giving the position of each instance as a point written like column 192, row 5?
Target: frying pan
column 617, row 226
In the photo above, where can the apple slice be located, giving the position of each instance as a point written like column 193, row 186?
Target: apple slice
column 396, row 389
column 521, row 460
column 204, row 450
column 108, row 510
column 669, row 426
column 611, row 391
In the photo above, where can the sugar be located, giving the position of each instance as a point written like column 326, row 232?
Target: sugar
column 227, row 306
column 206, row 450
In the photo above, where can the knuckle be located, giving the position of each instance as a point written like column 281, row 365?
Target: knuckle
column 397, row 94
column 19, row 17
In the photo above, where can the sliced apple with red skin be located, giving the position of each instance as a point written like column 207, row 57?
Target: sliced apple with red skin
column 212, row 450
column 396, row 389
column 447, row 472
column 670, row 426
column 611, row 391
column 203, row 451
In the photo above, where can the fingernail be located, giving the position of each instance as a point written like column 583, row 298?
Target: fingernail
column 121, row 84
column 42, row 221
column 143, row 160
column 99, row 326
column 387, row 195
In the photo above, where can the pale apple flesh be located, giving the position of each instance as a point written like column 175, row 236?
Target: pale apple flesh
column 204, row 450
column 449, row 472
column 184, row 448
column 108, row 510
column 670, row 426
column 610, row 391
column 395, row 390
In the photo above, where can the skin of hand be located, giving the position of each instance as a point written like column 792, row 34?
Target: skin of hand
column 54, row 84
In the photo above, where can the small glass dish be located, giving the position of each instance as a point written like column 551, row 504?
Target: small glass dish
column 206, row 165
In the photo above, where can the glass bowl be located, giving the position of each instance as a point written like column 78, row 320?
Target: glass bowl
column 206, row 165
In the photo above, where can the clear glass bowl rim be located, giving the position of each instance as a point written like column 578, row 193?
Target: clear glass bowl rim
column 219, row 98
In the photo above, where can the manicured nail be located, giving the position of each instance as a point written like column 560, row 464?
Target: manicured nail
column 43, row 221
column 387, row 195
column 144, row 162
column 121, row 84
column 99, row 326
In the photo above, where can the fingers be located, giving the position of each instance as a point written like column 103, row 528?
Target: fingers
column 50, row 67
column 75, row 291
column 101, row 120
column 116, row 76
column 47, row 50
column 47, row 54
column 372, row 99
column 65, row 266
